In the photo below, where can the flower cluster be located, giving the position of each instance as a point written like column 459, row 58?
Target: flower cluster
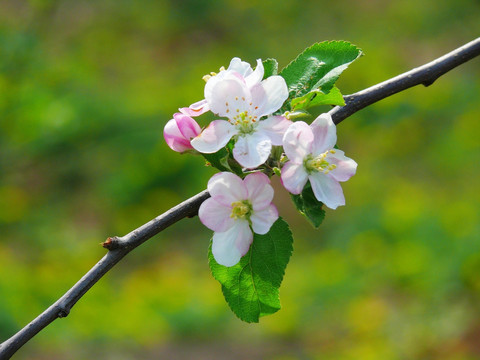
column 251, row 125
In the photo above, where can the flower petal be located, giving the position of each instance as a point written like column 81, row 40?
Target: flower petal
column 215, row 136
column 346, row 167
column 274, row 127
column 187, row 126
column 174, row 138
column 252, row 150
column 242, row 67
column 215, row 216
column 257, row 76
column 263, row 220
column 269, row 95
column 260, row 192
column 227, row 96
column 297, row 141
column 229, row 246
column 245, row 238
column 325, row 134
column 294, row 177
column 227, row 188
column 327, row 190
column 196, row 109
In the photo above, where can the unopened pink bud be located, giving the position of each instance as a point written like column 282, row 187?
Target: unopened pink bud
column 179, row 130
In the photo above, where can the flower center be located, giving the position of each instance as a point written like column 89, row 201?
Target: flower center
column 244, row 122
column 241, row 209
column 319, row 163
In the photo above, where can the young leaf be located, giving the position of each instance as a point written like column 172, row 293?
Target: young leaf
column 223, row 160
column 308, row 205
column 320, row 65
column 270, row 67
column 318, row 97
column 251, row 287
column 219, row 160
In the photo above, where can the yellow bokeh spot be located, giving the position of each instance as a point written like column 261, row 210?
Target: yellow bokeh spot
column 368, row 249
column 373, row 349
column 14, row 203
column 404, row 205
column 329, row 266
column 409, row 258
column 367, row 315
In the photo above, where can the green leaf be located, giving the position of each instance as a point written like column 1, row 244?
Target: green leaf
column 319, row 66
column 251, row 287
column 219, row 160
column 223, row 160
column 308, row 205
column 318, row 97
column 270, row 67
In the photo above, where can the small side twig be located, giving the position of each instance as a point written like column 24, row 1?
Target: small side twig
column 120, row 246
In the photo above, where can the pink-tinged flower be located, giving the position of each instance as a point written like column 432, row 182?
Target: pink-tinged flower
column 201, row 107
column 179, row 130
column 237, row 207
column 312, row 157
column 244, row 99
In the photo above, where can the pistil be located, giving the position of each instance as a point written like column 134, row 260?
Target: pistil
column 241, row 209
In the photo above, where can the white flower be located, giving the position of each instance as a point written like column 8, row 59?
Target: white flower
column 200, row 107
column 237, row 207
column 312, row 158
column 240, row 95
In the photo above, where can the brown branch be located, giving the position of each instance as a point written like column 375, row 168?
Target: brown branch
column 120, row 246
column 423, row 75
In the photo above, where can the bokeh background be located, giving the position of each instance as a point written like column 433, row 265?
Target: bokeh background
column 85, row 90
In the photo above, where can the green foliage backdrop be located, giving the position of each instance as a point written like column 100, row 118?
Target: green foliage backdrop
column 85, row 90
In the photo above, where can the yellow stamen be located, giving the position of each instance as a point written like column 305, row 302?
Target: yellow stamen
column 241, row 209
column 319, row 163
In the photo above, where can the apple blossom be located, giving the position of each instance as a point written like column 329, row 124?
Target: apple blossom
column 178, row 132
column 312, row 158
column 201, row 107
column 244, row 98
column 237, row 207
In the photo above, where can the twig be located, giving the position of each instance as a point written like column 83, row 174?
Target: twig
column 425, row 75
column 120, row 246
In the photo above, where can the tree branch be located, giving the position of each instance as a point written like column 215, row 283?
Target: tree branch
column 120, row 246
column 425, row 75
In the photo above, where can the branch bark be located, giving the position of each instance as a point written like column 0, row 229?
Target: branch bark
column 424, row 75
column 120, row 246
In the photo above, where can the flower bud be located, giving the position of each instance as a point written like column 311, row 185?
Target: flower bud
column 179, row 130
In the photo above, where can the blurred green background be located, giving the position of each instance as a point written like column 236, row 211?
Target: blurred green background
column 85, row 90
